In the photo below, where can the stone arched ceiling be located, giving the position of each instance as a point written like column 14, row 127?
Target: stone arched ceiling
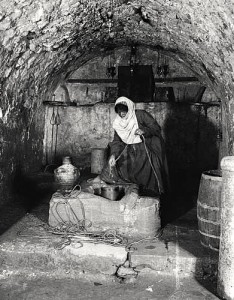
column 43, row 40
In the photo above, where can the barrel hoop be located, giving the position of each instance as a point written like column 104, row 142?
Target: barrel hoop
column 209, row 235
column 211, row 247
column 207, row 206
column 207, row 221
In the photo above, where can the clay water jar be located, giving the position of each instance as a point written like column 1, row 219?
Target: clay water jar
column 66, row 175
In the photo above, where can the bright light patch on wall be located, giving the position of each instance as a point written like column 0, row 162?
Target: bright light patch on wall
column 1, row 113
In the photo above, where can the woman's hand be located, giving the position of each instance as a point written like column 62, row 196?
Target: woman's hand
column 112, row 161
column 139, row 131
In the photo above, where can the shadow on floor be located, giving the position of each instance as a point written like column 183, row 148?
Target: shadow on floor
column 182, row 196
column 32, row 191
column 178, row 212
column 10, row 213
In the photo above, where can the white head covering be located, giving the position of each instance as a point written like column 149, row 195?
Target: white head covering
column 126, row 127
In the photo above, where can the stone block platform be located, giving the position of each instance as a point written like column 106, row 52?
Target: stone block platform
column 132, row 216
column 29, row 247
column 174, row 266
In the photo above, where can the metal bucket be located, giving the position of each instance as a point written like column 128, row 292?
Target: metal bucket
column 98, row 160
column 112, row 192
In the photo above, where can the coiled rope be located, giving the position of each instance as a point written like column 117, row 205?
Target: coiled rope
column 81, row 224
column 78, row 232
column 69, row 231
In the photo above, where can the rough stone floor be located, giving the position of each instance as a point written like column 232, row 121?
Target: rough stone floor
column 174, row 266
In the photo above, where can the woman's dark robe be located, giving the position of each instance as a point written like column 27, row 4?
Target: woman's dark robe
column 133, row 164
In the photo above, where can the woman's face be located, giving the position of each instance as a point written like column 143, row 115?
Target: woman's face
column 122, row 114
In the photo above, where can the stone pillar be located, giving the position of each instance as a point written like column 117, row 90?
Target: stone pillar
column 226, row 251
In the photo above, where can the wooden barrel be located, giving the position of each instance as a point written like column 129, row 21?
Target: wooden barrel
column 208, row 208
column 98, row 160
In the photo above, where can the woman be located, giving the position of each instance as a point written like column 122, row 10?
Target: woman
column 137, row 153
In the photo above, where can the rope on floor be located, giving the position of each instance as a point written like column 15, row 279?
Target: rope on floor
column 78, row 232
column 71, row 232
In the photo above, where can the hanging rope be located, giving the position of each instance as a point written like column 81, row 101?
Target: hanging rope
column 121, row 153
column 111, row 173
column 150, row 161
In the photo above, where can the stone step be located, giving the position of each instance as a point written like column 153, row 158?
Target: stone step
column 178, row 251
column 29, row 248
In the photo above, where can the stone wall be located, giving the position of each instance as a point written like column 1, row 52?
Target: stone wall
column 21, row 140
column 190, row 133
column 190, row 130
